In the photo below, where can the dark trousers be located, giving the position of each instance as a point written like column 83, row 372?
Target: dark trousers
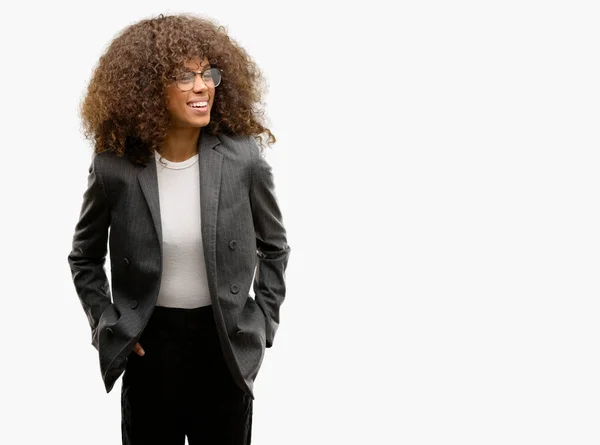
column 182, row 385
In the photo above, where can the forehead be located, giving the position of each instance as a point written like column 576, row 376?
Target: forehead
column 197, row 63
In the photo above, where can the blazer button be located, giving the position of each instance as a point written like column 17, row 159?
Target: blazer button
column 234, row 288
column 233, row 244
column 126, row 261
column 109, row 331
column 133, row 304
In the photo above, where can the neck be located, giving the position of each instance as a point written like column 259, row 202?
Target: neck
column 180, row 144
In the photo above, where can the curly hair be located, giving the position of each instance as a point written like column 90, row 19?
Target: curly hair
column 125, row 106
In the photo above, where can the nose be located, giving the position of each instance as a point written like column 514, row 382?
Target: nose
column 199, row 85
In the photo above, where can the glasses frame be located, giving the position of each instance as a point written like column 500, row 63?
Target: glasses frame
column 201, row 73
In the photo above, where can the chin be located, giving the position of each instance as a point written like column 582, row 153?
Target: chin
column 200, row 124
column 197, row 120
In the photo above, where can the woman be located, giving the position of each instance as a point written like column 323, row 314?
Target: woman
column 194, row 222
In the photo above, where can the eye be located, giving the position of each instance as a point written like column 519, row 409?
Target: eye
column 185, row 77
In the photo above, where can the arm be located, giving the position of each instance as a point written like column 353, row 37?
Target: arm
column 89, row 248
column 271, row 243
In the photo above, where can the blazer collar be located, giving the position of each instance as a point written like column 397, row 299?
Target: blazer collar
column 206, row 142
column 210, row 166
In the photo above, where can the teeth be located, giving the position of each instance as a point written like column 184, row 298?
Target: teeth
column 198, row 104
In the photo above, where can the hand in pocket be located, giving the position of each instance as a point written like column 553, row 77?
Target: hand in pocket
column 138, row 349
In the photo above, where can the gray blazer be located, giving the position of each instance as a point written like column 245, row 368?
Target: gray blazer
column 242, row 232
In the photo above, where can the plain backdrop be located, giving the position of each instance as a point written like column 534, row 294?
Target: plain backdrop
column 437, row 167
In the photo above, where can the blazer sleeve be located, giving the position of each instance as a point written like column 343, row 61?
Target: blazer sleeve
column 89, row 249
column 271, row 243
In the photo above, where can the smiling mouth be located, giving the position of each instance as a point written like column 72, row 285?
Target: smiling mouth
column 199, row 109
column 198, row 105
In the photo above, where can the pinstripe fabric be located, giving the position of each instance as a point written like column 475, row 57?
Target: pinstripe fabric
column 244, row 245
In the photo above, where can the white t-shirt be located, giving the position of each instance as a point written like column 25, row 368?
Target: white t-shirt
column 184, row 283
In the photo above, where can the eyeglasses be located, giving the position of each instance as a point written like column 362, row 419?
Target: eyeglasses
column 211, row 77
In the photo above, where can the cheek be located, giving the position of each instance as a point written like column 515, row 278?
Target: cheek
column 175, row 103
column 171, row 104
column 177, row 108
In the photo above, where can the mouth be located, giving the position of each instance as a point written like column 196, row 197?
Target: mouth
column 198, row 106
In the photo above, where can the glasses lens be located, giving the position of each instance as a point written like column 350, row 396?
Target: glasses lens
column 185, row 81
column 211, row 77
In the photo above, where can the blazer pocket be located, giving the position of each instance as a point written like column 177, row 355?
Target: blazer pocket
column 109, row 318
column 252, row 319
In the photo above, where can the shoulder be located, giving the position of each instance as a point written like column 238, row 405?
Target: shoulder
column 106, row 161
column 113, row 170
column 242, row 143
column 240, row 147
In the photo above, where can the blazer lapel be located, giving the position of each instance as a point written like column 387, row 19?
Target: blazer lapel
column 210, row 187
column 149, row 184
column 210, row 163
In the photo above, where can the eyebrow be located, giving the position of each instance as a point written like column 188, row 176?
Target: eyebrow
column 202, row 68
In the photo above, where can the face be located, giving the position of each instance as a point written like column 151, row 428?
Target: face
column 178, row 102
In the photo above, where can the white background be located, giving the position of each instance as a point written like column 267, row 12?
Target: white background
column 437, row 168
